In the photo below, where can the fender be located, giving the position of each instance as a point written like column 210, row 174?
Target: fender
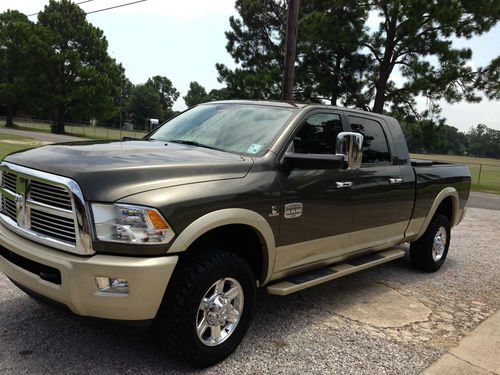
column 456, row 213
column 229, row 216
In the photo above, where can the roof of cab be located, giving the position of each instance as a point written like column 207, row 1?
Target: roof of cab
column 298, row 105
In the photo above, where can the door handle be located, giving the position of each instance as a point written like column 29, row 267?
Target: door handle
column 394, row 181
column 343, row 184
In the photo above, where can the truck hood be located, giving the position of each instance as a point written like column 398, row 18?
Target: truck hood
column 108, row 171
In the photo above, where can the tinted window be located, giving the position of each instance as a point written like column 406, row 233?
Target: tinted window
column 318, row 135
column 375, row 149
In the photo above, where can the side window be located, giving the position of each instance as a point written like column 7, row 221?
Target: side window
column 375, row 149
column 318, row 134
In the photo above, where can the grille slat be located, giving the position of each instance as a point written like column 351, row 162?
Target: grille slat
column 37, row 195
column 57, row 227
column 56, row 219
column 50, row 195
column 55, row 235
column 10, row 208
column 44, row 186
column 53, row 226
column 53, row 231
column 9, row 181
column 43, row 189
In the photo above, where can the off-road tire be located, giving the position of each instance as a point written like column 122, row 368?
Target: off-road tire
column 176, row 321
column 421, row 251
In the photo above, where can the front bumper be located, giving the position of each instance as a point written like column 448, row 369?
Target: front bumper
column 147, row 278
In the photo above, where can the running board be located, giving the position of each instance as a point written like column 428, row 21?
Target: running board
column 322, row 275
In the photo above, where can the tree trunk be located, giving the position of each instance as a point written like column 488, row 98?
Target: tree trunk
column 290, row 50
column 336, row 82
column 9, row 122
column 59, row 125
column 378, row 105
column 386, row 67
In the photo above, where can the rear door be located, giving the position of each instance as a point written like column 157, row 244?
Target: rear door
column 379, row 188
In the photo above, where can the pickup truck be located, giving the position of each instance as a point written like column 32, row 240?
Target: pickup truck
column 177, row 230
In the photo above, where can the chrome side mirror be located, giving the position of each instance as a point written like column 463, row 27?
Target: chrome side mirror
column 350, row 145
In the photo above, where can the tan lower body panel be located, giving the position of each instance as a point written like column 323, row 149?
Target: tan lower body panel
column 292, row 257
column 334, row 272
column 147, row 278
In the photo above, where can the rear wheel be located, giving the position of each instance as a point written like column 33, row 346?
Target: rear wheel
column 429, row 252
column 207, row 308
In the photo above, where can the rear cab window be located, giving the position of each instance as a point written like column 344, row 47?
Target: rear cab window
column 375, row 145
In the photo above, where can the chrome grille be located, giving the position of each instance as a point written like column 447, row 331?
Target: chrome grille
column 45, row 208
column 9, row 208
column 9, row 181
column 49, row 195
column 54, row 226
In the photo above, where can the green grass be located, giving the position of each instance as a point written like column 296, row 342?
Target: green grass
column 10, row 143
column 490, row 170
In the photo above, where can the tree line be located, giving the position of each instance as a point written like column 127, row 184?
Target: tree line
column 376, row 55
column 59, row 68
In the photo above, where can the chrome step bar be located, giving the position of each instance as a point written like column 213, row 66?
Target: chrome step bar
column 318, row 276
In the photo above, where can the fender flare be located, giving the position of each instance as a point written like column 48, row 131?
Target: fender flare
column 230, row 216
column 456, row 214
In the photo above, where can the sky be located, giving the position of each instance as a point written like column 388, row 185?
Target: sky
column 183, row 40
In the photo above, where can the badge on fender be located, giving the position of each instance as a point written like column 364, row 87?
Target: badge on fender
column 293, row 210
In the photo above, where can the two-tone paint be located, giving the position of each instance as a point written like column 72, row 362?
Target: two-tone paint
column 199, row 190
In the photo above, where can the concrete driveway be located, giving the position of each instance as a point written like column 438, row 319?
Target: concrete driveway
column 388, row 320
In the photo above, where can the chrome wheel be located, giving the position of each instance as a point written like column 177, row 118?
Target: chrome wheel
column 439, row 244
column 220, row 311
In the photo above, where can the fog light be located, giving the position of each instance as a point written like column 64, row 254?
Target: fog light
column 111, row 285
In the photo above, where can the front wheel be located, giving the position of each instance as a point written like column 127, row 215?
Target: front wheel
column 208, row 307
column 429, row 252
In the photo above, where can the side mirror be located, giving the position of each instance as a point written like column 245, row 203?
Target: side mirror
column 350, row 145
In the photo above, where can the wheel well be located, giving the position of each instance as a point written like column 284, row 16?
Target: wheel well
column 446, row 208
column 240, row 239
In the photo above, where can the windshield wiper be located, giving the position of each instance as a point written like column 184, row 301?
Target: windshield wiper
column 193, row 143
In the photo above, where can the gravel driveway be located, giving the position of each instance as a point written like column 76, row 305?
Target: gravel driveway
column 303, row 333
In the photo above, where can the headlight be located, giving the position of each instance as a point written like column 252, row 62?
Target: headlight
column 128, row 223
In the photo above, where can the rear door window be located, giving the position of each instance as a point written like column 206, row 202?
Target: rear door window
column 375, row 147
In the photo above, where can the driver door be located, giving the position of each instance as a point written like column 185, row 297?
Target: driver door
column 317, row 204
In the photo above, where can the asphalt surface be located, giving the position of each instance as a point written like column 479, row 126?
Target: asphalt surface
column 301, row 333
column 484, row 200
column 44, row 137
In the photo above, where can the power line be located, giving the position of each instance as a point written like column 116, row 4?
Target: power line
column 116, row 6
column 104, row 9
column 81, row 2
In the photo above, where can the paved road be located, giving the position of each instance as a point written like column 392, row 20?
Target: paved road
column 44, row 137
column 328, row 329
column 484, row 200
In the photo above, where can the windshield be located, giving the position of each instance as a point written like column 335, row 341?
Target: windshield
column 240, row 128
